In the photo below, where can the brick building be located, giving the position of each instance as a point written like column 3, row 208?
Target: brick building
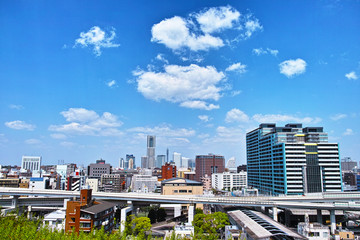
column 168, row 171
column 208, row 164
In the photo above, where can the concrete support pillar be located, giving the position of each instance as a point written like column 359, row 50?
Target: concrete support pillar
column 266, row 211
column 191, row 212
column 123, row 215
column 14, row 201
column 319, row 216
column 275, row 213
column 332, row 221
column 29, row 213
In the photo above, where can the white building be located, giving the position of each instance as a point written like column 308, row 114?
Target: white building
column 144, row 183
column 314, row 231
column 37, row 183
column 185, row 162
column 177, row 159
column 93, row 184
column 55, row 220
column 31, row 163
column 229, row 181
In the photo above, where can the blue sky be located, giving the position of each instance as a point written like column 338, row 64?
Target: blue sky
column 83, row 80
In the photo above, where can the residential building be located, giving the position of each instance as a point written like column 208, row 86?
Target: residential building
column 86, row 214
column 177, row 159
column 206, row 182
column 208, row 164
column 151, row 144
column 181, row 186
column 168, row 171
column 292, row 160
column 110, row 183
column 32, row 163
column 160, row 160
column 55, row 220
column 95, row 170
column 10, row 182
column 229, row 181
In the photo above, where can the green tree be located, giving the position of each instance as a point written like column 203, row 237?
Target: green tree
column 152, row 215
column 211, row 225
column 198, row 211
column 161, row 215
column 140, row 226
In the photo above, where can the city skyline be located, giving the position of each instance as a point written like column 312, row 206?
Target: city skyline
column 80, row 82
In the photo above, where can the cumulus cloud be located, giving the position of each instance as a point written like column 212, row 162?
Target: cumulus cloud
column 191, row 86
column 351, row 76
column 261, row 51
column 88, row 122
column 236, row 115
column 338, row 116
column 292, row 67
column 161, row 58
column 196, row 32
column 348, row 132
column 217, row 18
column 204, row 118
column 97, row 38
column 111, row 83
column 20, row 125
column 236, row 67
column 274, row 118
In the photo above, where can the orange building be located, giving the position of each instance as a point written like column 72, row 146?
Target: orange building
column 86, row 214
column 168, row 171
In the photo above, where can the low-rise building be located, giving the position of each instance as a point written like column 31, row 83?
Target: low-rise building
column 229, row 181
column 314, row 231
column 144, row 183
column 181, row 186
column 55, row 220
column 87, row 214
column 93, row 183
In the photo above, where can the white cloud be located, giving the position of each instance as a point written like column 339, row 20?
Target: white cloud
column 58, row 136
column 199, row 105
column 196, row 32
column 32, row 141
column 236, row 115
column 97, row 38
column 190, row 85
column 261, row 51
column 338, row 116
column 88, row 122
column 217, row 18
column 227, row 135
column 292, row 67
column 20, row 125
column 251, row 25
column 204, row 118
column 175, row 34
column 164, row 131
column 161, row 58
column 235, row 93
column 111, row 83
column 237, row 67
column 203, row 135
column 351, row 76
column 15, row 106
column 274, row 118
column 348, row 132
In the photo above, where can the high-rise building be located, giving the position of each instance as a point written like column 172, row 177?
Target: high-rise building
column 347, row 164
column 144, row 162
column 168, row 171
column 130, row 161
column 31, row 163
column 177, row 159
column 208, row 164
column 229, row 181
column 121, row 163
column 184, row 162
column 160, row 160
column 167, row 155
column 151, row 144
column 292, row 160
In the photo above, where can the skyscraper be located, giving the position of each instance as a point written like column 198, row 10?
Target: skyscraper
column 130, row 161
column 144, row 162
column 292, row 160
column 151, row 144
column 208, row 164
column 177, row 159
column 160, row 160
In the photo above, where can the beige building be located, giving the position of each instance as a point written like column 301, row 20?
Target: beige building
column 181, row 186
column 93, row 184
column 181, row 172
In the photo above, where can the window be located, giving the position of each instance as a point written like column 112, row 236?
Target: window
column 175, row 191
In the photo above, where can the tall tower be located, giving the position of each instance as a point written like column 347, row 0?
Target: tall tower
column 151, row 144
column 292, row 160
column 167, row 155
